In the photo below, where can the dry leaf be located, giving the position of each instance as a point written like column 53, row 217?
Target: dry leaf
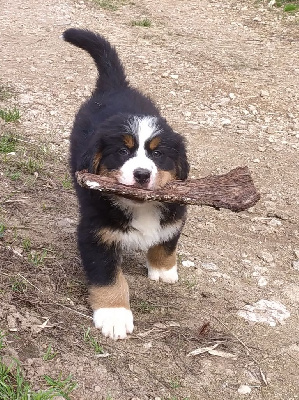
column 202, row 350
column 222, row 354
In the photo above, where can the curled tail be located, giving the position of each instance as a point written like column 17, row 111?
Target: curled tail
column 110, row 69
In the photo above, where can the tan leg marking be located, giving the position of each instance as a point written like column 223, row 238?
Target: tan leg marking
column 161, row 265
column 114, row 295
column 159, row 258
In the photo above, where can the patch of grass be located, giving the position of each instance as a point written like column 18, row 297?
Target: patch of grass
column 63, row 387
column 111, row 5
column 291, row 7
column 2, row 230
column 288, row 6
column 37, row 258
column 49, row 354
column 143, row 22
column 13, row 386
column 18, row 285
column 8, row 143
column 10, row 115
column 26, row 245
column 92, row 341
column 14, row 176
column 175, row 384
column 5, row 92
column 145, row 307
column 32, row 165
column 67, row 182
column 2, row 336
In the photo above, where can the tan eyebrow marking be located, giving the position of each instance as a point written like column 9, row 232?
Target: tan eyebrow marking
column 129, row 141
column 154, row 143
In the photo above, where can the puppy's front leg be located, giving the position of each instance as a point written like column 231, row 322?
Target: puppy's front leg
column 161, row 261
column 111, row 307
column 109, row 291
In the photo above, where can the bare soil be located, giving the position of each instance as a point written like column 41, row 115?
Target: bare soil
column 226, row 75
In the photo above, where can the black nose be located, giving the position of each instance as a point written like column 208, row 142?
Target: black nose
column 142, row 175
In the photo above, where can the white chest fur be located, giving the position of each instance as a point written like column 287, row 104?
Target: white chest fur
column 146, row 229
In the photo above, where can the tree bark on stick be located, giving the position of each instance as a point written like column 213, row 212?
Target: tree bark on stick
column 234, row 190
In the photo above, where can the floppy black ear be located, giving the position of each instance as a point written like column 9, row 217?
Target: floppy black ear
column 183, row 167
column 90, row 159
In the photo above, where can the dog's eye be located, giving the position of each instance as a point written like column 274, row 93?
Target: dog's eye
column 156, row 154
column 123, row 151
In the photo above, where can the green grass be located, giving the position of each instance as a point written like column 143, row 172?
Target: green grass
column 291, row 7
column 5, row 92
column 67, row 182
column 175, row 384
column 49, row 354
column 288, row 6
column 14, row 176
column 10, row 115
column 18, row 285
column 26, row 243
column 2, row 230
column 145, row 307
column 8, row 143
column 2, row 336
column 111, row 5
column 92, row 341
column 63, row 387
column 37, row 258
column 13, row 385
column 143, row 22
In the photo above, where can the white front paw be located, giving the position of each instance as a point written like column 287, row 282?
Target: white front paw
column 166, row 275
column 114, row 322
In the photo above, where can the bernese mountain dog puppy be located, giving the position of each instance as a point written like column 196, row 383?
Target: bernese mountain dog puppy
column 119, row 132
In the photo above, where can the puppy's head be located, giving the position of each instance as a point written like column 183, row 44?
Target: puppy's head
column 139, row 150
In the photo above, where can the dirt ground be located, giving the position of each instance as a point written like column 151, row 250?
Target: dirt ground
column 226, row 75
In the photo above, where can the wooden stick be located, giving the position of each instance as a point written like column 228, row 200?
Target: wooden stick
column 234, row 190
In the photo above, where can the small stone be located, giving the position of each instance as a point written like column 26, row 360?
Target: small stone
column 295, row 265
column 232, row 96
column 274, row 222
column 262, row 281
column 244, row 389
column 257, row 19
column 188, row 263
column 187, row 113
column 264, row 93
column 296, row 252
column 226, row 121
column 267, row 257
column 252, row 109
column 174, row 76
column 224, row 101
column 270, row 130
column 97, row 388
column 209, row 266
column 262, row 149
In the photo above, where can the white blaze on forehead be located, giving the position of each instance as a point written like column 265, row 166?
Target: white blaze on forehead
column 143, row 128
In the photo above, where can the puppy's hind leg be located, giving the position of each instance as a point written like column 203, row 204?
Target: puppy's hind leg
column 161, row 261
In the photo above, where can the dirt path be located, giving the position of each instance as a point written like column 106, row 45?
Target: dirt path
column 226, row 75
